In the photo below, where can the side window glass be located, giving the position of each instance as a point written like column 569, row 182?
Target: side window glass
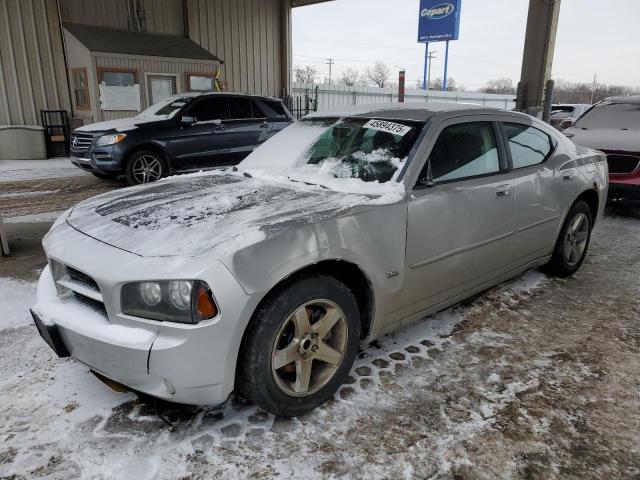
column 529, row 146
column 209, row 109
column 257, row 111
column 240, row 108
column 275, row 109
column 462, row 151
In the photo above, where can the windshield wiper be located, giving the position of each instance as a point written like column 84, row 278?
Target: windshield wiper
column 307, row 183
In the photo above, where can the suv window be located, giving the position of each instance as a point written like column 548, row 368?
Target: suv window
column 240, row 108
column 463, row 150
column 210, row 108
column 529, row 146
column 275, row 109
column 623, row 116
column 258, row 111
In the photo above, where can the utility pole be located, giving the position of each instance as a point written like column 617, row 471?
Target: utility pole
column 330, row 62
column 431, row 55
column 593, row 88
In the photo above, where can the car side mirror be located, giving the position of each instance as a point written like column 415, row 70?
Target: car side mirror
column 187, row 121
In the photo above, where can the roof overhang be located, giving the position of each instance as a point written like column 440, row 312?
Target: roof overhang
column 304, row 3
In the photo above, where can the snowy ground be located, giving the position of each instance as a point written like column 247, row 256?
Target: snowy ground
column 538, row 378
column 18, row 170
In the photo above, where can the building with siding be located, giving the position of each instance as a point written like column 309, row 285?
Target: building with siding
column 247, row 43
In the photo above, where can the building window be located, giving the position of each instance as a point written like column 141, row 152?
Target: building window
column 81, row 88
column 200, row 82
column 117, row 77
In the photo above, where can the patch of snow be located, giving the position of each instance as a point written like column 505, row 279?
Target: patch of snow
column 20, row 170
column 27, row 194
column 16, row 296
column 35, row 217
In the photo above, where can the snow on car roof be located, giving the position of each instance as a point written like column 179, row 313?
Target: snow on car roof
column 406, row 111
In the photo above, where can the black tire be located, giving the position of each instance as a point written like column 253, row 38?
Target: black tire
column 136, row 162
column 255, row 378
column 560, row 264
column 104, row 176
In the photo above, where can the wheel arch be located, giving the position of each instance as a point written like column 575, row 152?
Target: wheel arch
column 147, row 146
column 591, row 198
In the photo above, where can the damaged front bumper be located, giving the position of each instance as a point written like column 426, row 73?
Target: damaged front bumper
column 192, row 364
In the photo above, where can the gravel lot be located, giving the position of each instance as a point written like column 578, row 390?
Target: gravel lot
column 537, row 378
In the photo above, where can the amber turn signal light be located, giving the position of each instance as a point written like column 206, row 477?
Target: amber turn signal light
column 206, row 307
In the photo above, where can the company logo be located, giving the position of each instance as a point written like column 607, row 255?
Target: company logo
column 437, row 12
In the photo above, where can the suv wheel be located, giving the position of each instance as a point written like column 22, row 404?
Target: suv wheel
column 144, row 166
column 300, row 346
column 573, row 242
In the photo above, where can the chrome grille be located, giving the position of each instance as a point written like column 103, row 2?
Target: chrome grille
column 72, row 283
column 81, row 142
column 620, row 163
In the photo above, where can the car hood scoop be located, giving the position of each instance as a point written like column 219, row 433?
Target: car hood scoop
column 194, row 214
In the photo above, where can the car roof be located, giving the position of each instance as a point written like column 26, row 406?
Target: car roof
column 625, row 99
column 406, row 111
column 238, row 94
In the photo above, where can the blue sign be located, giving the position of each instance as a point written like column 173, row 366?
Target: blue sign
column 439, row 20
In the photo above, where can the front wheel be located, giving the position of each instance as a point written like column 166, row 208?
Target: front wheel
column 573, row 242
column 144, row 166
column 300, row 346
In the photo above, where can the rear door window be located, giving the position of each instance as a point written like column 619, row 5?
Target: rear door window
column 240, row 108
column 462, row 151
column 209, row 109
column 529, row 146
column 275, row 109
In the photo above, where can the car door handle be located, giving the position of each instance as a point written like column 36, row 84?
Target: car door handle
column 568, row 177
column 264, row 125
column 503, row 191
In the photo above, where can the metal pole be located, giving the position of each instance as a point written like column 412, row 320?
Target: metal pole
column 593, row 88
column 446, row 64
column 401, row 76
column 425, row 83
column 431, row 57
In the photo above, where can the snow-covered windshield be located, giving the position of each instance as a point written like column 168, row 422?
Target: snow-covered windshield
column 316, row 149
column 167, row 108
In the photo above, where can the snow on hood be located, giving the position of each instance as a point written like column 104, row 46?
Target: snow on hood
column 605, row 138
column 119, row 125
column 214, row 212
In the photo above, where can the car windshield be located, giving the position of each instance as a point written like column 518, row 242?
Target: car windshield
column 167, row 108
column 624, row 116
column 368, row 149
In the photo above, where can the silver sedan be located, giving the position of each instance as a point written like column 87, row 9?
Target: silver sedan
column 265, row 278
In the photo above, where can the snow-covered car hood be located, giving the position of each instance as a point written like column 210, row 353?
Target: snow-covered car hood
column 605, row 138
column 119, row 125
column 197, row 214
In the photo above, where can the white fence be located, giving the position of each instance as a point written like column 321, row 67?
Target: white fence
column 335, row 96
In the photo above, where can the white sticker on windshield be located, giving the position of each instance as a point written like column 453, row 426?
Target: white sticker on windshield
column 391, row 127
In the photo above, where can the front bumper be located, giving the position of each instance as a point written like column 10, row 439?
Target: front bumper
column 193, row 364
column 625, row 188
column 106, row 159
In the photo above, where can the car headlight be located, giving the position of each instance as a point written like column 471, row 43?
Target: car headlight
column 184, row 301
column 110, row 139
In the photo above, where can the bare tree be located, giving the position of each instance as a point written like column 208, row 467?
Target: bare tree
column 580, row 92
column 378, row 74
column 306, row 74
column 452, row 86
column 349, row 77
column 501, row 85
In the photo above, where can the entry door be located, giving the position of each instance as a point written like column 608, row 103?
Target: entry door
column 461, row 219
column 160, row 87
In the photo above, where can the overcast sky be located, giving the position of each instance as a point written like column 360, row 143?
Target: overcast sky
column 594, row 36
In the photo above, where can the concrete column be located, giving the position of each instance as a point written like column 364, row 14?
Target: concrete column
column 286, row 54
column 542, row 24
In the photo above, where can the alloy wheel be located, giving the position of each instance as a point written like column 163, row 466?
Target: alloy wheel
column 146, row 169
column 309, row 348
column 575, row 241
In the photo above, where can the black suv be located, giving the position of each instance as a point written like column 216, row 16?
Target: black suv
column 186, row 132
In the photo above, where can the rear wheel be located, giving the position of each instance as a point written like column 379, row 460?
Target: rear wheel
column 300, row 346
column 573, row 242
column 144, row 166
